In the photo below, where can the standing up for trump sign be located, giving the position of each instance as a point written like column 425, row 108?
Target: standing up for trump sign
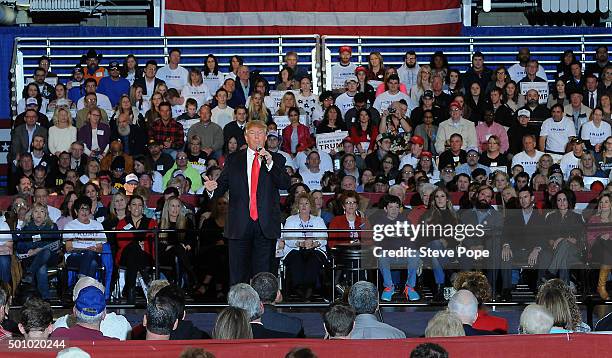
column 541, row 87
column 328, row 141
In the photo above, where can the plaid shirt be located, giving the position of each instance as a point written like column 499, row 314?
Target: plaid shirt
column 161, row 132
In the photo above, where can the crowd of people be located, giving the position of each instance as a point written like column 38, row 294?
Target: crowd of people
column 434, row 144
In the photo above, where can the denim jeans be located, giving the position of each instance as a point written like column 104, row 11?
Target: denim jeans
column 38, row 267
column 87, row 262
column 5, row 268
column 384, row 265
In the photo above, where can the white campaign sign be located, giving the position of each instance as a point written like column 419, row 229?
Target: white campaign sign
column 283, row 121
column 328, row 141
column 541, row 87
column 277, row 96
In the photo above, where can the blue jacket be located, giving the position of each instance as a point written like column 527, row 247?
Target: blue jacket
column 26, row 242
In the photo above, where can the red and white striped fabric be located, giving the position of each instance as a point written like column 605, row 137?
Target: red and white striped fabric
column 324, row 17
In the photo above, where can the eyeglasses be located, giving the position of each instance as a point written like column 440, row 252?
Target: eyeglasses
column 455, row 110
column 181, row 158
column 473, row 155
column 350, row 203
column 407, row 172
column 448, row 171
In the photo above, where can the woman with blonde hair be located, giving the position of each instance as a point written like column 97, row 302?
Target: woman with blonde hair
column 176, row 245
column 62, row 134
column 125, row 106
column 257, row 109
column 445, row 324
column 162, row 89
column 589, row 166
column 138, row 100
column 544, row 163
column 232, row 323
column 287, row 102
column 424, row 80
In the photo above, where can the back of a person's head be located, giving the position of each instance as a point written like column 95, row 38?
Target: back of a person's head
column 339, row 320
column 243, row 296
column 555, row 302
column 429, row 350
column 36, row 315
column 465, row 305
column 266, row 286
column 193, row 352
column 536, row 319
column 363, row 297
column 176, row 295
column 161, row 315
column 475, row 282
column 444, row 324
column 232, row 323
column 154, row 288
column 301, row 353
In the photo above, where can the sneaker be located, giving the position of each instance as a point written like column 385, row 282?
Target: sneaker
column 387, row 294
column 411, row 294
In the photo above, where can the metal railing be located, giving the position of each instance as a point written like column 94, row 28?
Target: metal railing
column 498, row 50
column 262, row 53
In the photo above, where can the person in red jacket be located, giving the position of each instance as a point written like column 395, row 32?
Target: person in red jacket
column 295, row 133
column 476, row 282
column 350, row 220
column 364, row 132
column 135, row 250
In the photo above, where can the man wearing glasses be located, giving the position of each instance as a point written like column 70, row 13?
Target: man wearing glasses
column 114, row 85
column 91, row 86
column 456, row 124
column 182, row 166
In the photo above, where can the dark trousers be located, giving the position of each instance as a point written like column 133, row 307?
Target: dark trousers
column 134, row 259
column 522, row 255
column 86, row 261
column 304, row 267
column 251, row 254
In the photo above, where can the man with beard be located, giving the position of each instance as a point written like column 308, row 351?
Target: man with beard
column 409, row 71
column 601, row 61
column 93, row 70
column 517, row 71
column 162, row 162
column 131, row 137
column 471, row 164
column 24, row 186
column 539, row 112
column 491, row 221
column 46, row 90
column 522, row 239
column 39, row 153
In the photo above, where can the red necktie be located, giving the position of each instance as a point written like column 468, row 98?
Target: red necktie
column 254, row 181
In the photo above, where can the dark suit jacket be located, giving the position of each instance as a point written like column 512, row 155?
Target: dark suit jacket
column 234, row 178
column 20, row 141
column 141, row 82
column 277, row 321
column 239, row 95
column 524, row 236
column 233, row 130
column 469, row 331
column 259, row 332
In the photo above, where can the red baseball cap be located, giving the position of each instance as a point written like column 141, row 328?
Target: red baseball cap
column 426, row 154
column 345, row 48
column 360, row 69
column 417, row 139
column 455, row 104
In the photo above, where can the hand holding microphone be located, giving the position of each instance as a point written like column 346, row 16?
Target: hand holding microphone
column 265, row 155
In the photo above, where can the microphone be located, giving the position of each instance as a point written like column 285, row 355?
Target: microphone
column 263, row 159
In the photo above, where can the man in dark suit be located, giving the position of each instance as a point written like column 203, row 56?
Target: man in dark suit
column 22, row 136
column 465, row 305
column 253, row 177
column 149, row 82
column 266, row 286
column 244, row 296
column 236, row 127
column 521, row 240
column 244, row 85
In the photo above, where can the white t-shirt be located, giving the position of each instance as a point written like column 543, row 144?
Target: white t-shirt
column 113, row 325
column 77, row 225
column 177, row 110
column 593, row 134
column 187, row 123
column 308, row 104
column 568, row 162
column 54, row 213
column 326, row 165
column 384, row 100
column 340, row 73
column 200, row 93
column 313, row 180
column 530, row 164
column 213, row 82
column 222, row 116
column 176, row 78
column 557, row 133
column 345, row 102
column 517, row 72
column 103, row 102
